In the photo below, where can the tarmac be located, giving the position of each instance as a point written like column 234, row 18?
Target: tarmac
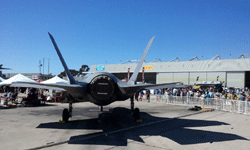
column 163, row 126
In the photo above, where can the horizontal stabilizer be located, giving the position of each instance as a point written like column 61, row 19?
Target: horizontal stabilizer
column 134, row 88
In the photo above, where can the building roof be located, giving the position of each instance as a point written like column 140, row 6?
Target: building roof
column 184, row 66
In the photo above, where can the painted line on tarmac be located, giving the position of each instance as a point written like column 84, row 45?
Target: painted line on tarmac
column 111, row 132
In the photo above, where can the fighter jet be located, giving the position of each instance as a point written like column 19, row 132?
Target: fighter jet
column 100, row 88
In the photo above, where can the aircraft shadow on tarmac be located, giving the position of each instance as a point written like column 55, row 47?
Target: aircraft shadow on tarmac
column 118, row 127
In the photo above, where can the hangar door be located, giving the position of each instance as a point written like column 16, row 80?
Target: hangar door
column 148, row 77
column 172, row 77
column 236, row 79
column 247, row 79
column 164, row 78
column 214, row 76
column 181, row 77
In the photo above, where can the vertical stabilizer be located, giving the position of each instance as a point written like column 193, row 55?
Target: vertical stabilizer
column 139, row 66
column 71, row 78
column 67, row 79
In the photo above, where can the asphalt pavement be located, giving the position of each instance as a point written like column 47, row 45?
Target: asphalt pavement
column 163, row 127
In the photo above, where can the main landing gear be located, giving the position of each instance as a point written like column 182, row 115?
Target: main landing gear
column 136, row 111
column 67, row 112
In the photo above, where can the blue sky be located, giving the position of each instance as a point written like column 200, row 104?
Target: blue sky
column 110, row 31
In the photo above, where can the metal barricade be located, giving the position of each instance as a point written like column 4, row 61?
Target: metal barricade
column 236, row 106
column 247, row 108
column 227, row 105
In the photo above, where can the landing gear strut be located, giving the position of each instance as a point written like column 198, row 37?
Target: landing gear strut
column 70, row 108
column 132, row 103
column 67, row 112
column 136, row 111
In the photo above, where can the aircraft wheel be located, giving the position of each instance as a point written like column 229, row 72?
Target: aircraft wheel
column 136, row 114
column 65, row 115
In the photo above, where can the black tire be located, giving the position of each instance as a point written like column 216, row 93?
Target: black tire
column 136, row 114
column 65, row 115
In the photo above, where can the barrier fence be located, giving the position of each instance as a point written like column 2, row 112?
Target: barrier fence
column 237, row 106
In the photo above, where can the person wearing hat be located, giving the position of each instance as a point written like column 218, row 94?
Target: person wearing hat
column 242, row 96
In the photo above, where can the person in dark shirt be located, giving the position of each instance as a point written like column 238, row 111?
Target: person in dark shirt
column 137, row 95
column 148, row 95
column 141, row 95
column 242, row 96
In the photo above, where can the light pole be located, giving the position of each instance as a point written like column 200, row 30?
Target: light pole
column 48, row 64
column 43, row 65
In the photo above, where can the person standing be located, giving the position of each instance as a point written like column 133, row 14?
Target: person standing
column 248, row 101
column 182, row 95
column 202, row 98
column 188, row 96
column 223, row 95
column 141, row 95
column 160, row 94
column 241, row 102
column 211, row 92
column 148, row 95
column 137, row 95
column 167, row 95
column 233, row 97
column 157, row 92
column 174, row 92
column 237, row 91
column 217, row 94
column 175, row 95
column 242, row 96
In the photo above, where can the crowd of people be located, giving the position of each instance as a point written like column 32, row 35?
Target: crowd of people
column 205, row 93
column 10, row 95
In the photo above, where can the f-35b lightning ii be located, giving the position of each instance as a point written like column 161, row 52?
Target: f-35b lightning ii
column 100, row 88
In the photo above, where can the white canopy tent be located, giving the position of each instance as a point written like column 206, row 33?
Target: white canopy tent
column 17, row 78
column 55, row 80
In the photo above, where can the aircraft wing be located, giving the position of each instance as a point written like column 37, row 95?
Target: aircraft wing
column 63, row 87
column 134, row 88
column 167, row 86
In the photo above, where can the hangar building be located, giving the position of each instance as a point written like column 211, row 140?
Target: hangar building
column 233, row 72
